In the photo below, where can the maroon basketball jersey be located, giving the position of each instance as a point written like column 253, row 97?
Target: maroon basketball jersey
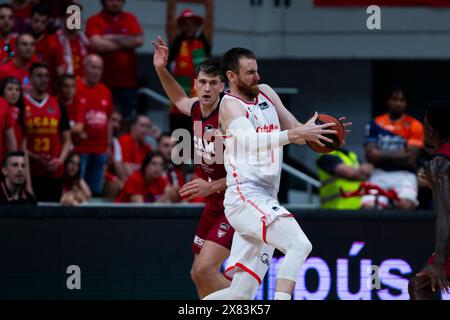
column 208, row 146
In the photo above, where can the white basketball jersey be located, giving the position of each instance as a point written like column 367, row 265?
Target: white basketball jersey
column 262, row 168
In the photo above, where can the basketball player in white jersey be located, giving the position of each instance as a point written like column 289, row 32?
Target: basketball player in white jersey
column 257, row 126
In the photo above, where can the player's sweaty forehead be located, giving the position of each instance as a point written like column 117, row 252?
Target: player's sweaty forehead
column 247, row 65
column 211, row 79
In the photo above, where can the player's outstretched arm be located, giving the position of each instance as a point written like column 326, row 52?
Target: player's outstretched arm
column 173, row 90
column 233, row 119
column 438, row 173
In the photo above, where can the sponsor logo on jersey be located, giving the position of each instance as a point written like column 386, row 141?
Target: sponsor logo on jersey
column 51, row 109
column 267, row 128
column 209, row 127
column 198, row 241
column 263, row 105
column 221, row 233
column 224, row 226
column 274, row 208
column 265, row 258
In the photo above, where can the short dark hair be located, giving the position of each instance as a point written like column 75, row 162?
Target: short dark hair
column 438, row 115
column 103, row 2
column 230, row 60
column 64, row 77
column 162, row 135
column 17, row 153
column 38, row 65
column 390, row 91
column 136, row 117
column 6, row 6
column 211, row 67
column 148, row 158
column 41, row 10
column 23, row 34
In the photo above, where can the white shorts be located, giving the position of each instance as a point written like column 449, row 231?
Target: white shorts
column 403, row 182
column 250, row 210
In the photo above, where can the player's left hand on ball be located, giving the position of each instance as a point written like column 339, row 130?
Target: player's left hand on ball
column 438, row 278
column 195, row 189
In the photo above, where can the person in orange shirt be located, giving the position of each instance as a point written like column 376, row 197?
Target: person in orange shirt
column 148, row 184
column 393, row 143
column 134, row 145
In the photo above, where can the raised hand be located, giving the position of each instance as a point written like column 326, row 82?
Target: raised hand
column 161, row 54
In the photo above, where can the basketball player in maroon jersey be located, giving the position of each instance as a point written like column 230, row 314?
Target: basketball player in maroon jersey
column 214, row 234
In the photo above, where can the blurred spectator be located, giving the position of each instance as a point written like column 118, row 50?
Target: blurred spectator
column 190, row 39
column 115, row 175
column 7, row 37
column 67, row 89
column 174, row 174
column 11, row 91
column 75, row 191
column 47, row 135
column 74, row 46
column 94, row 136
column 341, row 169
column 148, row 184
column 134, row 145
column 393, row 143
column 115, row 34
column 12, row 188
column 47, row 47
column 7, row 137
column 23, row 59
column 22, row 12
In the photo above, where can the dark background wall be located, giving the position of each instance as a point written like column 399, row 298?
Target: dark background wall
column 145, row 253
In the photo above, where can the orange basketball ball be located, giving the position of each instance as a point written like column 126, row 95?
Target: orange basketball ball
column 337, row 138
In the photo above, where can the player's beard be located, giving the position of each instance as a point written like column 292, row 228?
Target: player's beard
column 251, row 91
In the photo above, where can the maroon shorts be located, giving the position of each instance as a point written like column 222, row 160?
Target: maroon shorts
column 213, row 226
column 446, row 262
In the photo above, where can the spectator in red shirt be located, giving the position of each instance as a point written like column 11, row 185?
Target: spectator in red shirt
column 22, row 10
column 19, row 65
column 148, row 184
column 7, row 37
column 94, row 135
column 74, row 46
column 47, row 46
column 115, row 34
column 174, row 174
column 11, row 91
column 47, row 136
column 134, row 145
column 7, row 136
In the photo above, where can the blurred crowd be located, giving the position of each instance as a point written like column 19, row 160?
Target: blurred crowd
column 69, row 126
column 70, row 130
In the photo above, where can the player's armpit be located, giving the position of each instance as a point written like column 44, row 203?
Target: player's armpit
column 287, row 119
column 228, row 111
